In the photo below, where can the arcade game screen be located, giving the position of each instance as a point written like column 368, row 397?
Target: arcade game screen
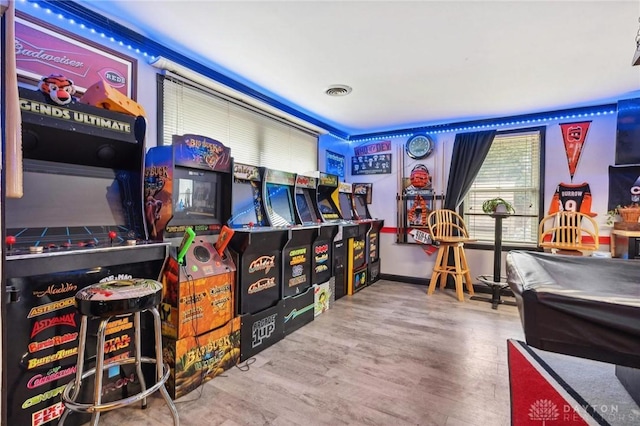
column 279, row 204
column 305, row 208
column 196, row 200
column 68, row 199
column 327, row 208
column 243, row 210
column 345, row 205
column 361, row 207
column 65, row 203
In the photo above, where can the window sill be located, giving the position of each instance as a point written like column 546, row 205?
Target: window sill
column 505, row 247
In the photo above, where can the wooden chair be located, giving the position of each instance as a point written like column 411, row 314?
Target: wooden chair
column 449, row 230
column 568, row 232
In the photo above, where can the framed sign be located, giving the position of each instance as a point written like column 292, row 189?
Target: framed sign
column 335, row 163
column 43, row 49
column 377, row 164
column 372, row 148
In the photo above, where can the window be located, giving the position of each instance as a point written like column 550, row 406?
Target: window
column 513, row 171
column 255, row 137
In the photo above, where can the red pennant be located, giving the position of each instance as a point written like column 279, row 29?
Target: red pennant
column 536, row 397
column 574, row 135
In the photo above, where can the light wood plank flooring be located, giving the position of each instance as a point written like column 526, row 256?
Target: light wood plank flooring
column 389, row 355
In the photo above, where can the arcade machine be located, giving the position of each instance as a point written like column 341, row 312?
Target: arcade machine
column 187, row 188
column 278, row 199
column 373, row 236
column 257, row 250
column 357, row 277
column 322, row 278
column 80, row 221
column 328, row 203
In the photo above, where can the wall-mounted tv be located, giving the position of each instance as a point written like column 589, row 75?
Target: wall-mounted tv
column 279, row 204
column 195, row 197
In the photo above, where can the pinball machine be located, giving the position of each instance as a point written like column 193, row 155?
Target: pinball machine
column 80, row 221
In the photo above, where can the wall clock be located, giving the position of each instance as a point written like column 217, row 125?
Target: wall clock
column 419, row 146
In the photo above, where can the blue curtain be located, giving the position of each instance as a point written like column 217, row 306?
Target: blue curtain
column 469, row 152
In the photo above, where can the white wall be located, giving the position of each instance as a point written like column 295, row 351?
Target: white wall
column 411, row 261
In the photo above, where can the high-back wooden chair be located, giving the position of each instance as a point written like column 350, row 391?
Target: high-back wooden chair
column 569, row 233
column 449, row 230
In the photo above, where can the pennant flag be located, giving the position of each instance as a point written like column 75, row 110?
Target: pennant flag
column 574, row 135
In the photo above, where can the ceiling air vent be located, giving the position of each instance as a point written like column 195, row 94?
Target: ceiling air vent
column 338, row 90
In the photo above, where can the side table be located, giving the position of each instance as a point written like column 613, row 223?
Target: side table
column 625, row 244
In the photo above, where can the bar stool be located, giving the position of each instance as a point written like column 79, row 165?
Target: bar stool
column 118, row 298
column 449, row 230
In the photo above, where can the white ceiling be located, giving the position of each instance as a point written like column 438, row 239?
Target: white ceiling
column 410, row 63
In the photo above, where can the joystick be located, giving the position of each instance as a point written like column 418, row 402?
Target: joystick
column 10, row 240
column 112, row 236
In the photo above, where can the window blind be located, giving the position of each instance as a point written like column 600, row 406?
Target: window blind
column 256, row 138
column 511, row 171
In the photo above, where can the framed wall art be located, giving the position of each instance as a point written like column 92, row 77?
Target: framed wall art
column 377, row 164
column 335, row 163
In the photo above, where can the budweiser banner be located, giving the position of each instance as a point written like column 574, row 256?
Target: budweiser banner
column 42, row 50
column 574, row 135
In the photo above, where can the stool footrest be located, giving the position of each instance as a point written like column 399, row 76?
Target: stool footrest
column 91, row 408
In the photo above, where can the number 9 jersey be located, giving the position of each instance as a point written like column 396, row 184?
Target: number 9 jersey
column 572, row 197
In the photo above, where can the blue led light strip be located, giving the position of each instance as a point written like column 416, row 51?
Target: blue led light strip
column 520, row 120
column 87, row 20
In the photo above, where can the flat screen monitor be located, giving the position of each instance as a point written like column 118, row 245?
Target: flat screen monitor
column 361, row 206
column 279, row 204
column 195, row 197
column 345, row 205
column 243, row 208
column 305, row 206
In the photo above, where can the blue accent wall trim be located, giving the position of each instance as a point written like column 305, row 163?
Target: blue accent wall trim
column 74, row 10
column 77, row 11
column 525, row 119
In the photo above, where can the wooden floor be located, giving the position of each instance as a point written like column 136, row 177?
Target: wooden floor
column 390, row 355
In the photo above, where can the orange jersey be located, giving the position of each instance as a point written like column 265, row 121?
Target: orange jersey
column 572, row 197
